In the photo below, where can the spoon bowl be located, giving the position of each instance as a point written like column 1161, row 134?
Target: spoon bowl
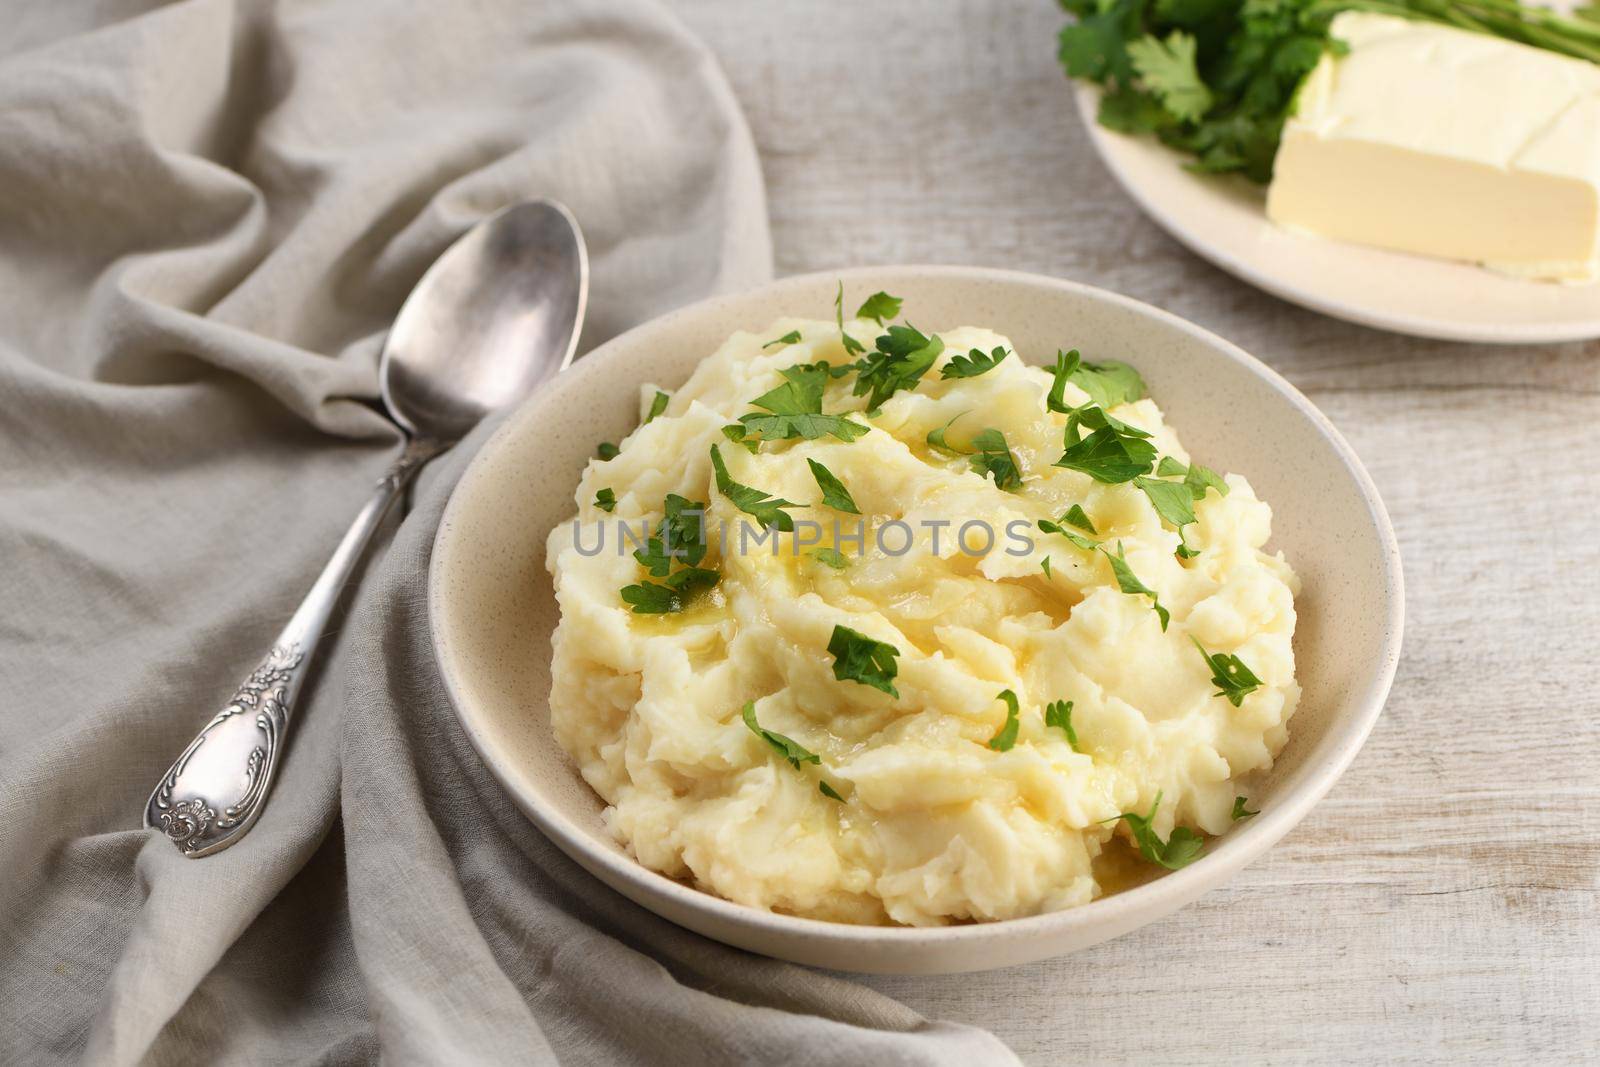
column 494, row 316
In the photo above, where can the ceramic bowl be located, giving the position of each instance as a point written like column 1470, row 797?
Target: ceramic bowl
column 492, row 607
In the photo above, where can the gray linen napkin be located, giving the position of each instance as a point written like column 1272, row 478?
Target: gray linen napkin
column 209, row 212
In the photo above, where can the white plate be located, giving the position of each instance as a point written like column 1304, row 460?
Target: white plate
column 493, row 609
column 1223, row 219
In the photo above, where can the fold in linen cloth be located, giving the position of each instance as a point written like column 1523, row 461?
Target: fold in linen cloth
column 209, row 214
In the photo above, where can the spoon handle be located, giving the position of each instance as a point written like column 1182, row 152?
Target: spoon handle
column 213, row 793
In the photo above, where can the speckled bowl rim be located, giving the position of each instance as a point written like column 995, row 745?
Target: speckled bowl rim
column 1110, row 916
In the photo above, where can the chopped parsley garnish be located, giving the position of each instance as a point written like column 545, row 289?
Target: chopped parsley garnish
column 658, row 404
column 974, row 363
column 1179, row 850
column 828, row 791
column 858, row 658
column 989, row 455
column 1199, row 479
column 1232, row 678
column 1044, row 565
column 1074, row 517
column 1108, row 384
column 768, row 510
column 879, row 306
column 795, row 409
column 851, row 345
column 790, row 338
column 1196, row 479
column 832, row 557
column 834, row 494
column 994, row 459
column 681, row 536
column 1108, row 455
column 605, row 500
column 903, row 355
column 1114, row 451
column 936, row 438
column 787, row 747
column 607, row 450
column 1240, row 812
column 736, row 432
column 1129, row 583
column 1059, row 713
column 1173, row 502
column 1007, row 736
column 652, row 598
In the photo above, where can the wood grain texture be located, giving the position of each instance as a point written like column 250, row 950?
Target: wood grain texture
column 1441, row 903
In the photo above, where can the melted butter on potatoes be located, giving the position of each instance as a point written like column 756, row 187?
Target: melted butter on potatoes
column 934, row 825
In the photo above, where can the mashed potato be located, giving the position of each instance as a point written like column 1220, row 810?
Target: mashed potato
column 936, row 819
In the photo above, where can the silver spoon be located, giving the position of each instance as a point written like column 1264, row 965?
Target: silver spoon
column 497, row 314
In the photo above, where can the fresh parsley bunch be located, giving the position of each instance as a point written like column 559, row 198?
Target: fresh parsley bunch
column 1217, row 78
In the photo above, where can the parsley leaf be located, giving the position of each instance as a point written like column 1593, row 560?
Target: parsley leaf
column 787, row 747
column 878, row 306
column 1179, row 850
column 767, row 510
column 858, row 658
column 1075, row 516
column 605, row 500
column 739, row 435
column 1108, row 384
column 851, row 345
column 1007, row 735
column 790, row 338
column 974, row 363
column 1076, row 538
column 937, row 440
column 1232, row 678
column 796, row 409
column 1108, row 455
column 834, row 494
column 1129, row 583
column 651, row 598
column 1172, row 500
column 1044, row 565
column 681, row 535
column 1167, row 71
column 658, row 404
column 902, row 357
column 1240, row 812
column 828, row 791
column 995, row 459
column 607, row 450
column 989, row 454
column 1059, row 713
column 1199, row 479
column 832, row 557
column 1168, row 467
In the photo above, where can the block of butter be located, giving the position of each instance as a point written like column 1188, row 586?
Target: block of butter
column 1429, row 139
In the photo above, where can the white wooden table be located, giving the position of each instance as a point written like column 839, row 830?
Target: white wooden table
column 1441, row 903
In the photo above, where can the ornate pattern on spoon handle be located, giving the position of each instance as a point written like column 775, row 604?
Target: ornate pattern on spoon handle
column 212, row 792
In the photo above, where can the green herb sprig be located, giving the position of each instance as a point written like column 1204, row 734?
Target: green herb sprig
column 1179, row 850
column 1233, row 679
column 858, row 658
column 1006, row 737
